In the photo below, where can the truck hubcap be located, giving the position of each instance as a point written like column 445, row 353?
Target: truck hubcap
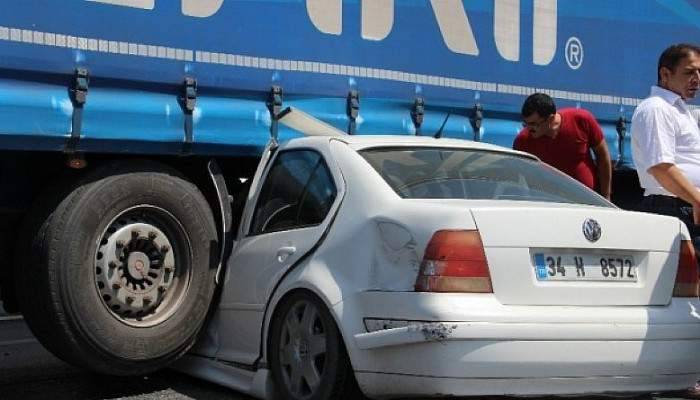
column 136, row 270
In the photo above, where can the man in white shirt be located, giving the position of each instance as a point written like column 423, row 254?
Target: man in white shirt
column 666, row 140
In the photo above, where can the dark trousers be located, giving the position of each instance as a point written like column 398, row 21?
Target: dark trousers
column 674, row 207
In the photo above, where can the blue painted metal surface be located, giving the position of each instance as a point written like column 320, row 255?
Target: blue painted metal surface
column 604, row 59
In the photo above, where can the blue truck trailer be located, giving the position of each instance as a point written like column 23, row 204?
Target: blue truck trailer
column 125, row 117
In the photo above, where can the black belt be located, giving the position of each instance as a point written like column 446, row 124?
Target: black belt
column 667, row 201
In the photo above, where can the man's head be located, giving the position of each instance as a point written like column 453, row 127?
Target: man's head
column 538, row 113
column 679, row 70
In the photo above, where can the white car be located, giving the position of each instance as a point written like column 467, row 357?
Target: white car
column 414, row 266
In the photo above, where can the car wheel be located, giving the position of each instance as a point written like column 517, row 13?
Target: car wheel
column 117, row 275
column 307, row 355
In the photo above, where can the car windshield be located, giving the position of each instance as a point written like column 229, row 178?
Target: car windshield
column 448, row 173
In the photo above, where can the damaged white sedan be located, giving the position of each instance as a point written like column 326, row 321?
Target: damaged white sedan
column 413, row 266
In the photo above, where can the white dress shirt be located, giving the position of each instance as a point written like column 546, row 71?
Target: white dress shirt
column 696, row 114
column 664, row 131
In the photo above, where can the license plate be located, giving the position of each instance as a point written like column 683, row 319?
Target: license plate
column 584, row 267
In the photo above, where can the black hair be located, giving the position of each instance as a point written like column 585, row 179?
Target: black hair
column 672, row 56
column 539, row 103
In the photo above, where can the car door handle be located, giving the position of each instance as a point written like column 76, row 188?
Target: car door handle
column 284, row 252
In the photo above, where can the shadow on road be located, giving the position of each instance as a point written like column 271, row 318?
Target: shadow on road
column 86, row 386
column 29, row 372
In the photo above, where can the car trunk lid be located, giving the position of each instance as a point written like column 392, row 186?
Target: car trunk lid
column 579, row 256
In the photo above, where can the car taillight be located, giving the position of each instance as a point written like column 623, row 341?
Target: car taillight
column 687, row 277
column 454, row 261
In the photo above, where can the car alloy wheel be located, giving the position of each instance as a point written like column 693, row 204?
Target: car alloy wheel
column 302, row 350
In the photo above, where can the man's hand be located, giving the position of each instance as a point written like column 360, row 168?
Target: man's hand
column 696, row 214
column 604, row 164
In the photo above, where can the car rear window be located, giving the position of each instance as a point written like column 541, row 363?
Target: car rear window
column 448, row 173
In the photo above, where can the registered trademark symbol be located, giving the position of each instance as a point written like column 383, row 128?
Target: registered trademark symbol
column 574, row 52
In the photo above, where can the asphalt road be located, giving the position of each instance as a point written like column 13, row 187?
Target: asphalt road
column 29, row 372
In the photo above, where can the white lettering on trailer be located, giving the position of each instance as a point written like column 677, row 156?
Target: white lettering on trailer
column 377, row 19
column 192, row 8
column 452, row 19
column 544, row 31
column 201, row 8
column 453, row 22
column 506, row 28
column 454, row 26
column 326, row 15
column 143, row 4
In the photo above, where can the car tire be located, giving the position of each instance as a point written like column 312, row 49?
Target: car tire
column 116, row 272
column 307, row 354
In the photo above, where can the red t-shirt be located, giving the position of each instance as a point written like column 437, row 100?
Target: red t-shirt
column 570, row 150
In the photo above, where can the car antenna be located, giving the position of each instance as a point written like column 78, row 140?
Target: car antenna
column 438, row 134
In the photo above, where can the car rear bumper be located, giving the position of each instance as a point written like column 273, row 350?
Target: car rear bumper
column 420, row 332
column 380, row 385
column 471, row 345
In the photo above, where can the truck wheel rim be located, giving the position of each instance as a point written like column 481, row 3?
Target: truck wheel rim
column 142, row 268
column 302, row 351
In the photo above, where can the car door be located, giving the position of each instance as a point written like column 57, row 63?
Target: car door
column 292, row 209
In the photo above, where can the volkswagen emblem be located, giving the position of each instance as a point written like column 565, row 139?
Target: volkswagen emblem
column 591, row 230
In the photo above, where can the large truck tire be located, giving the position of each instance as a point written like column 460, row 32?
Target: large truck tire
column 116, row 274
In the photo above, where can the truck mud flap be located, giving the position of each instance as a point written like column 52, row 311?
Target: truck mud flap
column 225, row 212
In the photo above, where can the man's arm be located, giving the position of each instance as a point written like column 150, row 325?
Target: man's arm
column 673, row 180
column 518, row 142
column 604, row 167
column 602, row 155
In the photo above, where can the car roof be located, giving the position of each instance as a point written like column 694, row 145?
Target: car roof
column 361, row 142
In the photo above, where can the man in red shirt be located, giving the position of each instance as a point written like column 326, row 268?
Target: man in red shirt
column 564, row 139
